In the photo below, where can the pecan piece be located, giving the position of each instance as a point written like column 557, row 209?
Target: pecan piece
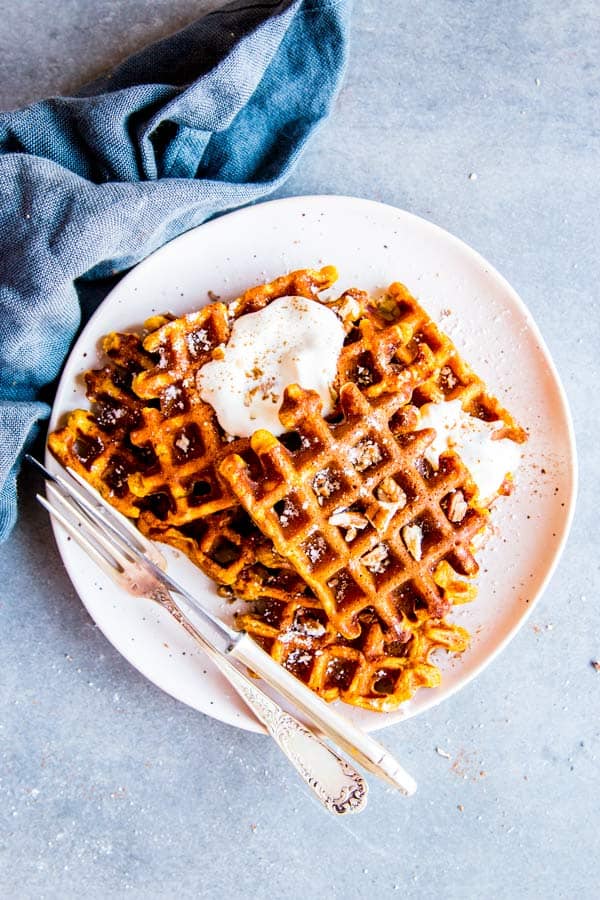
column 448, row 379
column 390, row 498
column 365, row 454
column 457, row 507
column 325, row 484
column 389, row 491
column 352, row 521
column 413, row 539
column 377, row 560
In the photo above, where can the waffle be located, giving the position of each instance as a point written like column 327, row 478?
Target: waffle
column 370, row 671
column 340, row 522
column 396, row 353
column 95, row 442
column 341, row 509
column 353, row 503
column 183, row 431
column 151, row 446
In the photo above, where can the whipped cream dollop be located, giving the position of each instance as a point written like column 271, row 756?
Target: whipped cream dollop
column 488, row 459
column 291, row 341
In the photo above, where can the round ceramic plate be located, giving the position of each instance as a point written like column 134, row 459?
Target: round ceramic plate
column 372, row 245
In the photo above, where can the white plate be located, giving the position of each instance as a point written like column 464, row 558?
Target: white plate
column 372, row 245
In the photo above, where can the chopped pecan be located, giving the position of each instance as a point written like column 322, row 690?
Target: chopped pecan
column 457, row 507
column 377, row 560
column 365, row 454
column 413, row 539
column 390, row 498
column 349, row 310
column 364, row 376
column 352, row 521
column 389, row 491
column 183, row 443
column 447, row 378
column 324, row 485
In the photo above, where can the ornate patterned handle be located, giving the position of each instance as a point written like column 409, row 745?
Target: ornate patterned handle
column 336, row 783
column 368, row 752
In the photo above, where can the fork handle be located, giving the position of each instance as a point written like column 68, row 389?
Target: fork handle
column 335, row 782
column 362, row 747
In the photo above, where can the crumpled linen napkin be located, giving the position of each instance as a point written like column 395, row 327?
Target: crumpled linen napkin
column 209, row 119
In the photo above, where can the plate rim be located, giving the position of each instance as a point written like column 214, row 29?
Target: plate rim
column 434, row 698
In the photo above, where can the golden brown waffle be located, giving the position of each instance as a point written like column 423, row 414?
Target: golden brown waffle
column 96, row 442
column 341, row 508
column 395, row 353
column 98, row 445
column 339, row 521
column 152, row 447
column 370, row 671
column 183, row 432
column 313, row 503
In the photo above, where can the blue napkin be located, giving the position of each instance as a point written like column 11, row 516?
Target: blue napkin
column 206, row 120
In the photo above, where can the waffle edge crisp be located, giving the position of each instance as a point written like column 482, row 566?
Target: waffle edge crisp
column 349, row 548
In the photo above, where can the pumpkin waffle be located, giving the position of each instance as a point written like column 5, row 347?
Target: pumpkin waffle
column 183, row 431
column 369, row 671
column 395, row 353
column 357, row 511
column 354, row 504
column 151, row 446
column 342, row 520
column 95, row 442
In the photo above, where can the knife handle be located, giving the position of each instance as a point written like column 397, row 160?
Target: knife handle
column 362, row 747
column 335, row 782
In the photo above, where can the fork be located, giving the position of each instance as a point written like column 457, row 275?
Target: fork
column 334, row 781
column 135, row 563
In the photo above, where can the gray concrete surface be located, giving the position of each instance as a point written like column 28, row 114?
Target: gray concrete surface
column 109, row 788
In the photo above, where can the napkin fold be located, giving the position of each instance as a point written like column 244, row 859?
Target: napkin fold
column 207, row 120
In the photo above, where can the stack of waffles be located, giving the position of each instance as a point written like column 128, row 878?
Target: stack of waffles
column 348, row 545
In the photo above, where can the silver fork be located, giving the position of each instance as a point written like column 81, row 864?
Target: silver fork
column 135, row 563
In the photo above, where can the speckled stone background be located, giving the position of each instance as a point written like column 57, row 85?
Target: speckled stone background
column 109, row 788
